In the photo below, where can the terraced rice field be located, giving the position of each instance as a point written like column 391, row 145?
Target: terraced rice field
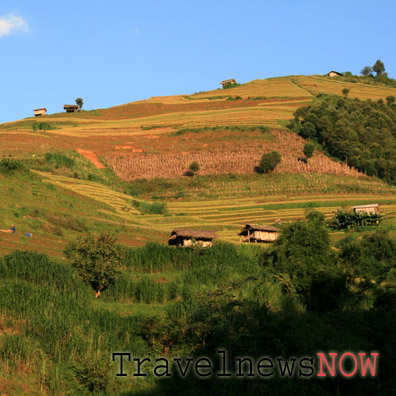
column 226, row 216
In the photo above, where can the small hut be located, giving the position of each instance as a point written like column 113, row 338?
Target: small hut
column 258, row 233
column 333, row 73
column 227, row 82
column 188, row 238
column 369, row 209
column 39, row 112
column 71, row 108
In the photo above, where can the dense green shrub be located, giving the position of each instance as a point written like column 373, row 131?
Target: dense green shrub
column 42, row 126
column 370, row 257
column 268, row 162
column 153, row 208
column 231, row 85
column 194, row 166
column 10, row 166
column 344, row 219
column 308, row 150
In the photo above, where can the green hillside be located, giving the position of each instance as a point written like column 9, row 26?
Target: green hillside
column 122, row 171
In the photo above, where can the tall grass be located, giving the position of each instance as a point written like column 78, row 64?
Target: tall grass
column 155, row 257
column 59, row 160
column 53, row 324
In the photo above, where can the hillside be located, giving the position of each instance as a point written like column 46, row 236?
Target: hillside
column 121, row 171
column 225, row 130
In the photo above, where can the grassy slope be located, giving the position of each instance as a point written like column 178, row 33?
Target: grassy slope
column 145, row 132
column 56, row 207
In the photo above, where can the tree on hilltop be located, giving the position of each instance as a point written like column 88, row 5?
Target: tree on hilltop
column 379, row 68
column 79, row 102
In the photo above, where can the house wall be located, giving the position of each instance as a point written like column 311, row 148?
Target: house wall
column 366, row 210
column 39, row 113
column 265, row 235
column 333, row 74
column 189, row 243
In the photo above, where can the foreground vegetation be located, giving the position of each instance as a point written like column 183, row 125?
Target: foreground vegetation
column 294, row 299
column 313, row 290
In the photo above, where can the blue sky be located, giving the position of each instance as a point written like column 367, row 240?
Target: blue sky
column 114, row 52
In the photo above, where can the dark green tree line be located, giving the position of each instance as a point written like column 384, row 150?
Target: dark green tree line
column 360, row 133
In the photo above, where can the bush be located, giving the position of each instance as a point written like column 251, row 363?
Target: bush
column 42, row 126
column 309, row 149
column 59, row 160
column 268, row 162
column 233, row 85
column 343, row 220
column 147, row 208
column 10, row 166
column 194, row 166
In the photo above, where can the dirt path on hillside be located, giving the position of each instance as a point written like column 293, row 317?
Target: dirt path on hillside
column 90, row 155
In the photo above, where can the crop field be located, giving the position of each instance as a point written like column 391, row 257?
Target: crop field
column 225, row 216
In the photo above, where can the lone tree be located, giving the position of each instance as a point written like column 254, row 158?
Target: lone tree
column 268, row 162
column 194, row 166
column 79, row 102
column 308, row 150
column 345, row 92
column 379, row 68
column 96, row 259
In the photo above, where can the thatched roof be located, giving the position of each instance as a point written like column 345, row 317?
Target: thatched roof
column 231, row 80
column 333, row 71
column 257, row 227
column 366, row 206
column 71, row 106
column 197, row 234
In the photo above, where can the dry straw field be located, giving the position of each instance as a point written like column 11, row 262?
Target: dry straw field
column 240, row 158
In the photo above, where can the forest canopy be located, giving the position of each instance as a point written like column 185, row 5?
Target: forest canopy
column 360, row 133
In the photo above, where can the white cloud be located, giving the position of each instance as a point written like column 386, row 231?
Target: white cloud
column 10, row 24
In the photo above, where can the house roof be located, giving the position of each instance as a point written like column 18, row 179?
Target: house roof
column 366, row 206
column 198, row 234
column 333, row 71
column 258, row 227
column 71, row 106
column 228, row 81
column 40, row 109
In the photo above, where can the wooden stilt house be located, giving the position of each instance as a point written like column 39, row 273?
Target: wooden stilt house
column 258, row 233
column 40, row 112
column 71, row 108
column 188, row 238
